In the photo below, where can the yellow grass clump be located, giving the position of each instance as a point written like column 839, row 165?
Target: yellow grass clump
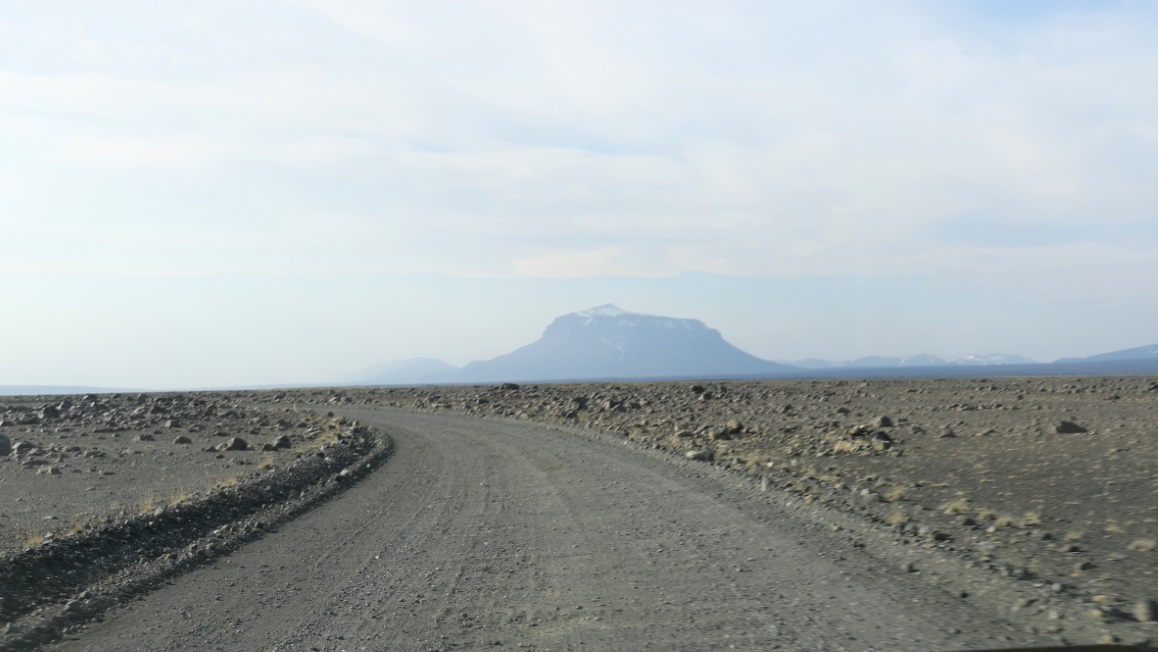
column 1143, row 545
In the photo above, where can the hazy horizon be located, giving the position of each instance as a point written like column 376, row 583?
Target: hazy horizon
column 290, row 191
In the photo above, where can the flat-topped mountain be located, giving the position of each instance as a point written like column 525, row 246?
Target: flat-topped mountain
column 606, row 342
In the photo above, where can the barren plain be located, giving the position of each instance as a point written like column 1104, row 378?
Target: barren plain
column 1052, row 482
column 955, row 514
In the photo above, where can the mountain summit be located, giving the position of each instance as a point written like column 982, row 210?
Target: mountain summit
column 606, row 342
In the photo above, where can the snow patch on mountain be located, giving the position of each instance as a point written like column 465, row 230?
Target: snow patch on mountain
column 606, row 310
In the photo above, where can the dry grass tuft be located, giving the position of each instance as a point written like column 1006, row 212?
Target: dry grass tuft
column 1030, row 519
column 896, row 495
column 1143, row 545
column 180, row 496
column 897, row 517
column 79, row 524
column 1004, row 520
column 1072, row 535
column 34, row 538
column 231, row 481
column 955, row 507
column 148, row 502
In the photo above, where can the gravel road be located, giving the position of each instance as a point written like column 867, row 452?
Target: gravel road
column 484, row 533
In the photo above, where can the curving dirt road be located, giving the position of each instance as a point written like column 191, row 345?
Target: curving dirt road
column 479, row 534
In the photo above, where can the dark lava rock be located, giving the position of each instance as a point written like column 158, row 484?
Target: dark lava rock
column 182, row 440
column 279, row 443
column 233, row 444
column 1070, row 427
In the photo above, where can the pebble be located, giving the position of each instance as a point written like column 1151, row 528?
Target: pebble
column 1146, row 611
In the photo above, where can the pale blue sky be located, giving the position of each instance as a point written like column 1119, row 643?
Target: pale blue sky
column 233, row 193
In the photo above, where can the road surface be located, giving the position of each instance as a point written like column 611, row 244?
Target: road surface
column 486, row 534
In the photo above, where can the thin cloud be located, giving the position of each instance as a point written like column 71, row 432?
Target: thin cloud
column 748, row 139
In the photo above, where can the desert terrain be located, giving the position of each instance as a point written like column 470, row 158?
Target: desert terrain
column 958, row 514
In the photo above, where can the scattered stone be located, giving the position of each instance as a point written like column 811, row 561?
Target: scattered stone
column 172, row 423
column 883, row 422
column 1021, row 604
column 5, row 446
column 182, row 439
column 1070, row 427
column 1146, row 611
column 699, row 456
column 47, row 470
column 144, row 437
column 233, row 444
column 280, row 442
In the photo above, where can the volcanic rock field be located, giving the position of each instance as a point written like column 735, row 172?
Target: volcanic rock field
column 1050, row 482
column 1048, row 486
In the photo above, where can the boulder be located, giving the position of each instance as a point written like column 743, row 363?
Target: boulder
column 5, row 446
column 280, row 442
column 1070, row 427
column 233, row 444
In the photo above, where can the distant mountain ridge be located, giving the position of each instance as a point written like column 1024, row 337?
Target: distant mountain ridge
column 416, row 370
column 1149, row 352
column 608, row 343
column 921, row 360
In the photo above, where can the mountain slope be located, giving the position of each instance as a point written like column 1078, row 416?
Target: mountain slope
column 398, row 372
column 1149, row 352
column 606, row 342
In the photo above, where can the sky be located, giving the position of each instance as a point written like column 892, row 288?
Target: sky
column 283, row 191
